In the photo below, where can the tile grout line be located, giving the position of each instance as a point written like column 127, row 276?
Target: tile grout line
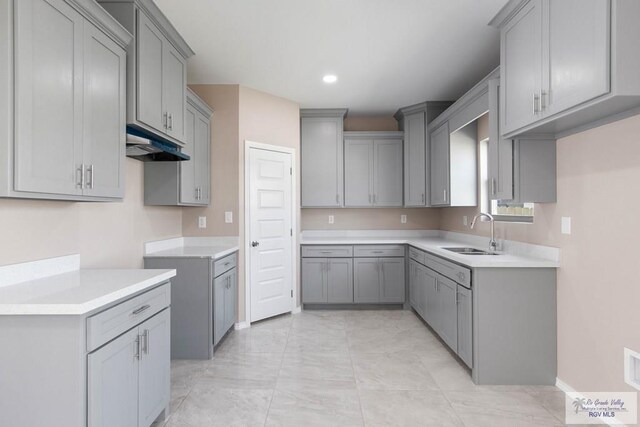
column 266, row 418
column 355, row 380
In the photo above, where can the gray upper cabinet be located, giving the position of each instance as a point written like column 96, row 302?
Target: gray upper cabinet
column 439, row 166
column 68, row 133
column 414, row 122
column 185, row 183
column 321, row 153
column 520, row 170
column 373, row 169
column 156, row 71
column 560, row 58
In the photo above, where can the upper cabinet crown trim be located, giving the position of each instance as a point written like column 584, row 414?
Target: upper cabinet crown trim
column 160, row 20
column 196, row 102
column 324, row 112
column 507, row 12
column 103, row 20
column 423, row 106
column 374, row 134
column 480, row 89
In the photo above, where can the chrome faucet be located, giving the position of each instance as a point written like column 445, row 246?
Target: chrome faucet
column 493, row 245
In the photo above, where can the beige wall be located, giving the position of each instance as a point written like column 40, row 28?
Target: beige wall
column 598, row 293
column 224, row 99
column 370, row 219
column 107, row 235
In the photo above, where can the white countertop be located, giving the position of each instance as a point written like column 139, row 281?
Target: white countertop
column 192, row 247
column 435, row 246
column 77, row 292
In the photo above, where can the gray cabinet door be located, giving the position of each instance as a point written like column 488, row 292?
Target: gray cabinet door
column 415, row 156
column 500, row 167
column 465, row 326
column 314, row 284
column 48, row 97
column 203, row 158
column 432, row 301
column 150, row 67
column 448, row 312
column 188, row 186
column 439, row 166
column 414, row 286
column 366, row 280
column 339, row 280
column 392, row 286
column 113, row 383
column 219, row 289
column 154, row 372
column 521, row 72
column 104, row 119
column 174, row 83
column 322, row 166
column 578, row 52
column 387, row 172
column 230, row 300
column 358, row 170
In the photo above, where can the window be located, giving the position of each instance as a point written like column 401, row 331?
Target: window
column 501, row 210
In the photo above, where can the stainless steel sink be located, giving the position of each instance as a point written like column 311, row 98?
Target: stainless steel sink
column 469, row 251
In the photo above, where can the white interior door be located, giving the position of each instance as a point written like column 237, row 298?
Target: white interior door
column 270, row 233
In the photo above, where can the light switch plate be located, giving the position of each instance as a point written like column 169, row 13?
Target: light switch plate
column 403, row 219
column 632, row 368
column 566, row 225
column 331, row 219
column 202, row 222
column 465, row 220
column 228, row 217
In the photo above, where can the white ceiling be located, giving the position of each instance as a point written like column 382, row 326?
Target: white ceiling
column 386, row 53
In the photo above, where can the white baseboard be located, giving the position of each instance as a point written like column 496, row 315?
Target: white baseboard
column 566, row 388
column 241, row 325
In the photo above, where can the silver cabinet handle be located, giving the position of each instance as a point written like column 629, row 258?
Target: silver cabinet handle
column 461, row 276
column 369, row 198
column 91, row 170
column 543, row 95
column 145, row 345
column 140, row 310
column 82, row 176
column 196, row 191
column 164, row 121
column 422, row 197
column 377, row 252
column 536, row 103
column 170, row 121
column 374, row 199
column 337, row 198
column 137, row 353
column 493, row 186
column 444, row 194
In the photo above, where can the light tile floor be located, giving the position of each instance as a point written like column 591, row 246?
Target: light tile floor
column 346, row 368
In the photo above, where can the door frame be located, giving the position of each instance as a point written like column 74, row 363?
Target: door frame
column 248, row 146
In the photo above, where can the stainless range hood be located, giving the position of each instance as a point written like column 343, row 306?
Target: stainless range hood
column 149, row 150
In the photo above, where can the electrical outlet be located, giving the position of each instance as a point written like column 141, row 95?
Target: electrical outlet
column 465, row 220
column 403, row 219
column 202, row 222
column 331, row 219
column 632, row 368
column 228, row 217
column 566, row 225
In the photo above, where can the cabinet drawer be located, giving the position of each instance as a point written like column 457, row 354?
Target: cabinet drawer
column 379, row 251
column 225, row 264
column 327, row 251
column 448, row 269
column 112, row 322
column 416, row 255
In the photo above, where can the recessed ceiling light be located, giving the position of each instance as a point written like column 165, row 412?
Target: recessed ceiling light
column 330, row 78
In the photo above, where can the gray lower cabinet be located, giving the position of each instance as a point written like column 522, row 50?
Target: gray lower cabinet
column 157, row 70
column 327, row 280
column 129, row 378
column 204, row 302
column 465, row 325
column 373, row 165
column 184, row 183
column 379, row 280
column 224, row 302
column 446, row 323
column 321, row 156
column 68, row 134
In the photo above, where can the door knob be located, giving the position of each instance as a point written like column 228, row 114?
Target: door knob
column 254, row 244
